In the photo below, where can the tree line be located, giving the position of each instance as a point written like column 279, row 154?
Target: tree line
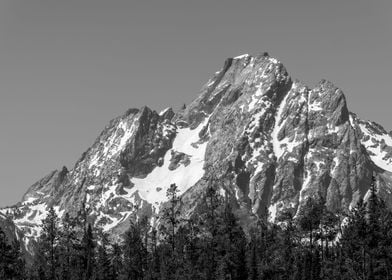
column 311, row 244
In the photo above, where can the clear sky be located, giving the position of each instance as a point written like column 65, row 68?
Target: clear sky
column 69, row 66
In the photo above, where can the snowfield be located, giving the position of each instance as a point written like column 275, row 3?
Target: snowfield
column 374, row 143
column 153, row 187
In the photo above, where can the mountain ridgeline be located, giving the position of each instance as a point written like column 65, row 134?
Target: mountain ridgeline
column 271, row 142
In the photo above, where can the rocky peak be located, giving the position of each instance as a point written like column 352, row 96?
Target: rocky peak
column 259, row 76
column 167, row 114
column 332, row 98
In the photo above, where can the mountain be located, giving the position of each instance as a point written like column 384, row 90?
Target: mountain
column 271, row 141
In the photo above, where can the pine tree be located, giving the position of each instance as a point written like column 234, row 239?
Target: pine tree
column 135, row 253
column 67, row 241
column 353, row 241
column 171, row 216
column 287, row 243
column 19, row 263
column 48, row 244
column 373, row 213
column 377, row 240
column 116, row 261
column 183, row 244
column 154, row 259
column 82, row 252
column 211, row 220
column 232, row 244
column 88, row 253
column 252, row 259
column 103, row 268
column 192, row 248
column 169, row 224
column 309, row 221
column 11, row 262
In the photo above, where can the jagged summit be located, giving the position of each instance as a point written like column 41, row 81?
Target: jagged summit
column 270, row 139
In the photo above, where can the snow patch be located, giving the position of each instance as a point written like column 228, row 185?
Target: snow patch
column 316, row 106
column 58, row 212
column 29, row 200
column 305, row 185
column 318, row 164
column 241, row 56
column 164, row 111
column 272, row 209
column 183, row 176
column 336, row 164
column 351, row 119
column 278, row 151
column 32, row 219
column 374, row 145
column 273, row 60
column 255, row 97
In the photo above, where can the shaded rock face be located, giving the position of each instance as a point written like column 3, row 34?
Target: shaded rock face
column 270, row 140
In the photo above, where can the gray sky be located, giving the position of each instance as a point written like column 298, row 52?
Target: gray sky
column 68, row 67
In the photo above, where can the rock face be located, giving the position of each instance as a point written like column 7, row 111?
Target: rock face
column 271, row 141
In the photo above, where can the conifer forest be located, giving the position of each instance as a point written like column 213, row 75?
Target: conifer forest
column 315, row 244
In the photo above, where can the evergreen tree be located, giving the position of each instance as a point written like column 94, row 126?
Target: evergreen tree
column 171, row 216
column 116, row 261
column 309, row 221
column 252, row 259
column 48, row 245
column 288, row 243
column 135, row 253
column 88, row 249
column 67, row 241
column 193, row 248
column 170, row 221
column 11, row 262
column 103, row 268
column 375, row 209
column 153, row 261
column 211, row 220
column 353, row 241
column 232, row 248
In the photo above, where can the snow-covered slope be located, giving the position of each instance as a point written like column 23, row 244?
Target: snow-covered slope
column 377, row 142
